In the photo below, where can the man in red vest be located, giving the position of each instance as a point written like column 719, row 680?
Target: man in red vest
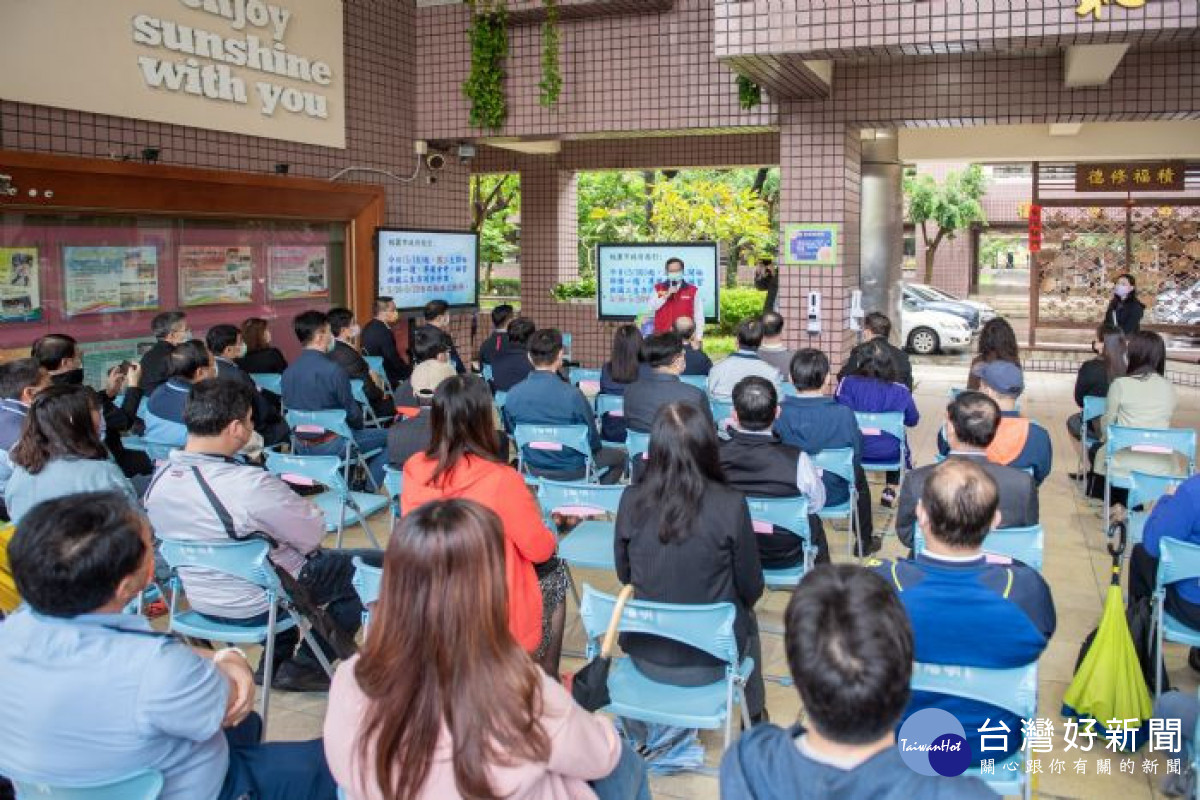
column 675, row 298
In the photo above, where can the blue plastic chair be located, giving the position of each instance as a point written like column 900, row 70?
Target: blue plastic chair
column 637, row 445
column 1027, row 545
column 248, row 562
column 568, row 340
column 268, row 382
column 590, row 544
column 359, row 393
column 366, row 582
column 334, row 422
column 790, row 514
column 613, row 404
column 722, row 411
column 840, row 462
column 555, row 437
column 375, row 364
column 786, row 389
column 1145, row 488
column 337, row 500
column 707, row 627
column 699, row 381
column 144, row 785
column 1014, row 690
column 1177, row 561
column 486, row 372
column 1161, row 441
column 1093, row 408
column 890, row 423
column 578, row 375
column 158, row 452
column 393, row 484
column 499, row 399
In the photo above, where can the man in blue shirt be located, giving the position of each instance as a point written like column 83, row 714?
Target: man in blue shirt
column 968, row 609
column 659, row 385
column 544, row 398
column 188, row 363
column 134, row 699
column 314, row 382
column 1176, row 515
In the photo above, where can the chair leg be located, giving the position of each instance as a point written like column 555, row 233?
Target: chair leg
column 1158, row 646
column 362, row 520
column 729, row 712
column 306, row 632
column 341, row 523
column 269, row 663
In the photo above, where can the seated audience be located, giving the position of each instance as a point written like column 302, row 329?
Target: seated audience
column 757, row 464
column 544, row 398
column 1093, row 379
column 60, row 452
column 479, row 720
column 1176, row 515
column 437, row 317
column 953, row 593
column 773, row 350
column 20, row 382
column 315, row 383
column 877, row 327
column 170, row 328
column 463, row 461
column 659, row 384
column 623, row 368
column 226, row 345
column 182, row 502
column 345, row 354
column 874, row 387
column 742, row 363
column 814, row 421
column 696, row 361
column 378, row 339
column 137, row 699
column 511, row 365
column 189, row 363
column 431, row 360
column 850, row 651
column 261, row 356
column 997, row 342
column 972, row 419
column 684, row 535
column 1020, row 443
column 502, row 315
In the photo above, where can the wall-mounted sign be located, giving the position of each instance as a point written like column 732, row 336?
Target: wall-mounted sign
column 811, row 244
column 107, row 280
column 1035, row 228
column 298, row 271
column 20, row 293
column 1134, row 176
column 210, row 275
column 271, row 69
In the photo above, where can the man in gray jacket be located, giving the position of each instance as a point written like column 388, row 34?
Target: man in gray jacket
column 218, row 420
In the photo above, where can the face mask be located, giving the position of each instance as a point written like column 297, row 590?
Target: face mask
column 1122, row 291
column 72, row 377
column 674, row 278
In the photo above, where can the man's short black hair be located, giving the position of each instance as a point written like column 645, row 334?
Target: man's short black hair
column 220, row 337
column 772, row 323
column 520, row 329
column 307, row 324
column 163, row 323
column 544, row 347
column 381, row 303
column 750, row 333
column 660, row 349
column 434, row 309
column 975, row 418
column 187, row 359
column 501, row 314
column 809, row 369
column 53, row 349
column 214, row 403
column 18, row 375
column 340, row 319
column 960, row 499
column 878, row 323
column 850, row 652
column 71, row 553
column 674, row 260
column 429, row 344
column 755, row 401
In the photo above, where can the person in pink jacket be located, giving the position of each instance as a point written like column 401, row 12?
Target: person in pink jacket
column 442, row 702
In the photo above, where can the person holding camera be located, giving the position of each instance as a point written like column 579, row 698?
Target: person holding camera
column 674, row 297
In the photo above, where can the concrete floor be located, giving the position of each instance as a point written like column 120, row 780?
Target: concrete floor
column 1076, row 565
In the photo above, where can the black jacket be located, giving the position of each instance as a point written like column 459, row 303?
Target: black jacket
column 696, row 362
column 1125, row 314
column 510, row 366
column 654, row 390
column 378, row 340
column 1091, row 381
column 267, row 421
column 267, row 361
column 154, row 366
column 351, row 360
column 493, row 344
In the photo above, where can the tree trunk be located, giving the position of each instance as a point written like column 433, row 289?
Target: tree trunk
column 931, row 253
column 648, row 180
column 487, row 277
column 732, row 268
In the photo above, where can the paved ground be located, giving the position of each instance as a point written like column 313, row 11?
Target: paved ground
column 1076, row 566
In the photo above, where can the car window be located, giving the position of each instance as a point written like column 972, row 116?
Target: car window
column 923, row 293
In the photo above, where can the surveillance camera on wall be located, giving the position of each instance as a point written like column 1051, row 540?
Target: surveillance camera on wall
column 466, row 152
column 435, row 162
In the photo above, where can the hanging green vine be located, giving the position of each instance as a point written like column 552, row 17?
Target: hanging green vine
column 484, row 86
column 550, row 85
column 749, row 92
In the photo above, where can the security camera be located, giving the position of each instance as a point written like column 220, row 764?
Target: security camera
column 466, row 152
column 435, row 162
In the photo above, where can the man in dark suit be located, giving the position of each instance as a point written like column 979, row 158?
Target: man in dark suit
column 495, row 341
column 876, row 325
column 346, row 355
column 973, row 419
column 663, row 352
column 511, row 365
column 378, row 340
column 437, row 317
column 695, row 360
column 226, row 345
column 169, row 328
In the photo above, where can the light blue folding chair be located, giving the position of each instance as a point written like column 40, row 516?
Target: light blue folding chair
column 578, row 375
column 840, row 462
column 499, row 399
column 1177, row 561
column 722, row 412
column 366, row 582
column 268, row 382
column 613, row 404
column 786, row 389
column 699, row 381
column 393, row 484
column 359, row 393
column 375, row 364
column 568, row 340
column 158, row 452
column 340, row 506
column 555, row 438
column 1014, row 690
column 486, row 372
column 1179, row 442
column 1093, row 408
column 637, row 446
column 889, row 423
column 790, row 514
column 1027, row 545
column 1145, row 488
column 707, row 627
column 590, row 544
column 246, row 561
column 143, row 785
column 334, row 422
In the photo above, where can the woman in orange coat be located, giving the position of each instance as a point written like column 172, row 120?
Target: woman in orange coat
column 463, row 461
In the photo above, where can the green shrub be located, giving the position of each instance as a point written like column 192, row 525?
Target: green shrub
column 506, row 287
column 737, row 305
column 575, row 289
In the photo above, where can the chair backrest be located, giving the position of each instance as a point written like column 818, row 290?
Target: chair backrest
column 838, row 460
column 1147, row 488
column 359, row 392
column 1027, row 545
column 581, row 499
column 568, row 339
column 1014, row 690
column 272, row 381
column 707, row 627
column 375, row 364
column 500, row 398
column 637, row 444
column 325, row 470
column 1177, row 561
column 393, row 482
column 246, row 560
column 486, row 371
column 333, row 421
column 789, row 513
column 164, row 431
column 579, row 374
column 366, row 581
column 1161, row 441
column 144, row 785
column 699, row 381
column 786, row 389
column 873, row 423
column 554, row 437
column 1093, row 408
column 610, row 404
column 721, row 410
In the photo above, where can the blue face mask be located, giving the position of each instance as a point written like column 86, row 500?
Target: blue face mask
column 674, row 278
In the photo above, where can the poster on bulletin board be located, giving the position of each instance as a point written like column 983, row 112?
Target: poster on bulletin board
column 298, row 271
column 811, row 244
column 212, row 275
column 20, row 294
column 99, row 357
column 105, row 280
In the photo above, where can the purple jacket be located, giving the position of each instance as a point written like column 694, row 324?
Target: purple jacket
column 871, row 395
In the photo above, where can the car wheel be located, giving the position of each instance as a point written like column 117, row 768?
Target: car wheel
column 923, row 341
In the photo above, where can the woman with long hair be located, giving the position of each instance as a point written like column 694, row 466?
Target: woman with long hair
column 442, row 702
column 622, row 368
column 1094, row 377
column 260, row 355
column 463, row 461
column 684, row 536
column 60, row 452
column 1125, row 310
column 997, row 342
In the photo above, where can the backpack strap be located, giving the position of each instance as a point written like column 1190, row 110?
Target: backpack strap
column 223, row 513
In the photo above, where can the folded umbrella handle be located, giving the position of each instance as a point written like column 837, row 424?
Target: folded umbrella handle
column 610, row 636
column 1117, row 533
